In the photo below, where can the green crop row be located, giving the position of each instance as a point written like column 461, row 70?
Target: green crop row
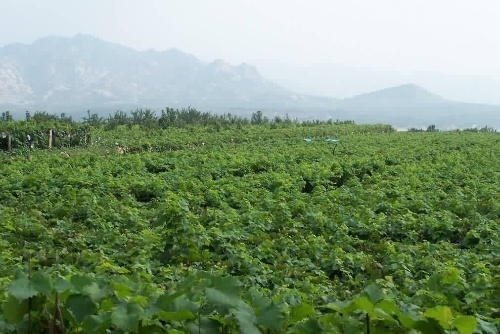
column 206, row 303
column 31, row 135
column 302, row 223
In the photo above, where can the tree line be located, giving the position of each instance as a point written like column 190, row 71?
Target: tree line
column 168, row 117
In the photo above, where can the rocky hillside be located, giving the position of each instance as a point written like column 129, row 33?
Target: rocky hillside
column 73, row 75
column 85, row 72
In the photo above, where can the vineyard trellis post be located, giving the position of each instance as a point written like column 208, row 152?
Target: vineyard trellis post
column 50, row 139
column 44, row 137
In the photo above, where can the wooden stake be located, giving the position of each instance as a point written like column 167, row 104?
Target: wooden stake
column 9, row 142
column 50, row 138
column 30, row 300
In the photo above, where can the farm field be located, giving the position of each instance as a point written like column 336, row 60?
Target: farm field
column 252, row 229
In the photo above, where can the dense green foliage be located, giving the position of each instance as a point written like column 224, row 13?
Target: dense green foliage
column 33, row 133
column 248, row 228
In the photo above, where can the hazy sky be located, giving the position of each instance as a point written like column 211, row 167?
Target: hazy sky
column 452, row 37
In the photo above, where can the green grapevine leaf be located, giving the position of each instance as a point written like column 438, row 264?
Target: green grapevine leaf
column 388, row 306
column 338, row 306
column 246, row 320
column 156, row 329
column 14, row 311
column 87, row 286
column 96, row 323
column 465, row 324
column 270, row 317
column 127, row 316
column 312, row 326
column 22, row 289
column 374, row 293
column 94, row 291
column 487, row 327
column 256, row 298
column 176, row 316
column 175, row 302
column 301, row 311
column 173, row 331
column 360, row 304
column 218, row 297
column 41, row 282
column 80, row 306
column 442, row 314
column 122, row 290
column 61, row 285
column 206, row 326
column 428, row 325
column 183, row 205
column 80, row 281
column 229, row 286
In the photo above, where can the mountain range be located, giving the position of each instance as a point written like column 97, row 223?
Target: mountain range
column 72, row 75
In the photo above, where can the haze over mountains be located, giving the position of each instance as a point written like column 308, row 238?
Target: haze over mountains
column 73, row 75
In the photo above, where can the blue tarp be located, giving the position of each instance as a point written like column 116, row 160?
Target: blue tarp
column 328, row 140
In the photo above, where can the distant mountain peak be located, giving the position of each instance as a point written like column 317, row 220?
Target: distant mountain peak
column 66, row 72
column 74, row 74
column 405, row 93
column 76, row 39
column 410, row 89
